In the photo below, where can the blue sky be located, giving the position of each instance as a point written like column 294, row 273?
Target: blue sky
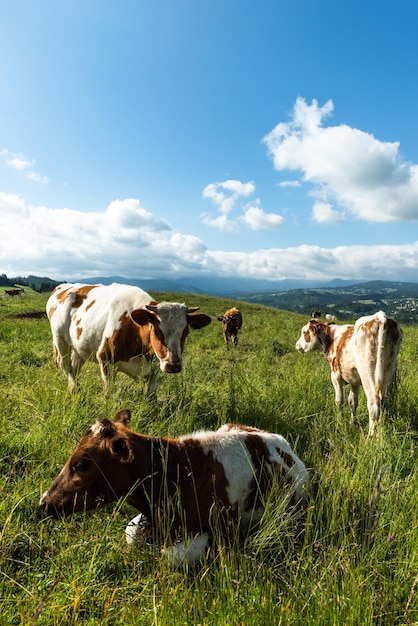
column 271, row 139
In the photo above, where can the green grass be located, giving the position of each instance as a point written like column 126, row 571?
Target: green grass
column 357, row 562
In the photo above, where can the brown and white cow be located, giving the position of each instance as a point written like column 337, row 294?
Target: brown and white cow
column 231, row 323
column 122, row 327
column 186, row 489
column 364, row 354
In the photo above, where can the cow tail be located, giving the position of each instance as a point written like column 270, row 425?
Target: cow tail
column 382, row 333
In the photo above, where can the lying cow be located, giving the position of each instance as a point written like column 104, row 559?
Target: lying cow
column 231, row 323
column 121, row 326
column 184, row 488
column 362, row 354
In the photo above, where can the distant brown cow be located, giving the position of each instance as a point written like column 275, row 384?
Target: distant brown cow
column 231, row 323
column 13, row 292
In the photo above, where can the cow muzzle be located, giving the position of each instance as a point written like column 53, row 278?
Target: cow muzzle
column 171, row 367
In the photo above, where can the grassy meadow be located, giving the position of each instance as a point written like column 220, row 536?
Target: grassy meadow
column 357, row 562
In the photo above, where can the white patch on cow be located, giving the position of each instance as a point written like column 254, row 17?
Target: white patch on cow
column 135, row 529
column 96, row 429
column 190, row 551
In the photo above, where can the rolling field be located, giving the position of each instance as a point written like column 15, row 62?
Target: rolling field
column 357, row 563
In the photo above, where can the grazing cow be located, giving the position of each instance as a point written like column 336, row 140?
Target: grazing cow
column 316, row 315
column 13, row 292
column 364, row 354
column 186, row 489
column 231, row 323
column 119, row 325
column 330, row 318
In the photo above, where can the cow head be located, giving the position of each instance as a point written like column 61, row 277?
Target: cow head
column 168, row 325
column 97, row 471
column 315, row 336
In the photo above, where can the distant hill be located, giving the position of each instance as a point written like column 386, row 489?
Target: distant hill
column 344, row 299
column 397, row 299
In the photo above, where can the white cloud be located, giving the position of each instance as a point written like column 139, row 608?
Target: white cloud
column 21, row 163
column 386, row 262
column 128, row 240
column 257, row 219
column 225, row 194
column 290, row 183
column 64, row 243
column 346, row 166
column 221, row 223
column 323, row 213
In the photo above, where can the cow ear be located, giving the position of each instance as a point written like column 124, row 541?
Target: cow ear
column 198, row 320
column 142, row 317
column 220, row 319
column 122, row 450
column 122, row 416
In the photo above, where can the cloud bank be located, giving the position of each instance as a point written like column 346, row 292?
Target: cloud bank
column 350, row 175
column 127, row 239
column 365, row 178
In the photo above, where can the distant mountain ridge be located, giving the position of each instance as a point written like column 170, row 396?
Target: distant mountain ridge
column 343, row 298
column 397, row 299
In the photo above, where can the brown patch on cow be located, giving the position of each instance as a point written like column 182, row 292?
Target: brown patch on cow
column 126, row 342
column 62, row 295
column 90, row 304
column 341, row 347
column 51, row 311
column 82, row 294
column 287, row 458
column 201, row 482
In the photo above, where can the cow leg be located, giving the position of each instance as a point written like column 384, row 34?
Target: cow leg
column 189, row 551
column 105, row 366
column 152, row 380
column 338, row 385
column 62, row 358
column 353, row 400
column 374, row 408
column 76, row 364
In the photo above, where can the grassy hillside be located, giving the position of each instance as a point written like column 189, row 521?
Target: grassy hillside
column 358, row 561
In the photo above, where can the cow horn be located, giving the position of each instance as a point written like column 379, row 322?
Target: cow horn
column 192, row 309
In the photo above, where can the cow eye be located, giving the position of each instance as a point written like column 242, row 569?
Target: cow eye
column 81, row 466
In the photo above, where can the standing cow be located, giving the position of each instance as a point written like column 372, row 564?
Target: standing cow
column 364, row 354
column 184, row 488
column 231, row 323
column 120, row 326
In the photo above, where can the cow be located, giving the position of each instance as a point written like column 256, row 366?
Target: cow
column 330, row 318
column 191, row 491
column 13, row 292
column 231, row 323
column 364, row 354
column 316, row 315
column 122, row 327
